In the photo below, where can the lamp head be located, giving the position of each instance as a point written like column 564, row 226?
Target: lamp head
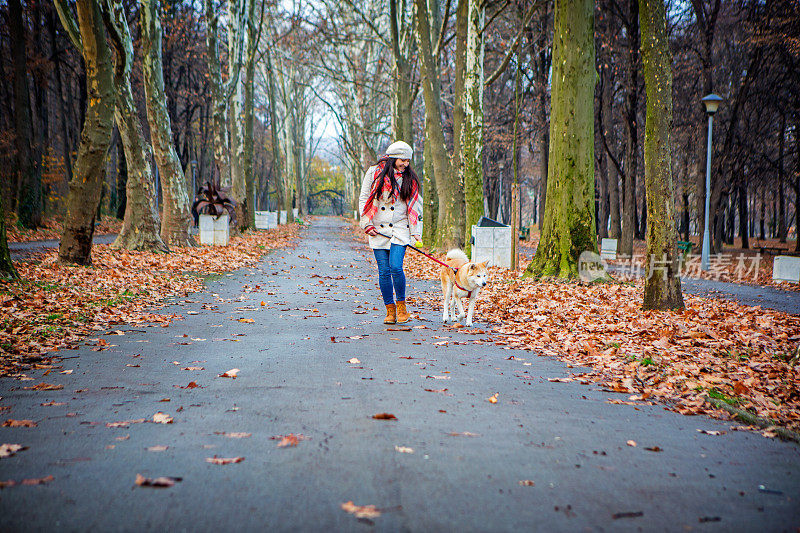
column 712, row 102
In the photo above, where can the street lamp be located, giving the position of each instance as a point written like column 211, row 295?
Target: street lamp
column 711, row 102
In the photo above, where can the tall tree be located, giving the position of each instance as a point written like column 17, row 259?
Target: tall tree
column 662, row 286
column 450, row 222
column 253, row 37
column 86, row 185
column 176, row 217
column 221, row 91
column 569, row 221
column 405, row 88
column 471, row 169
column 29, row 177
column 141, row 225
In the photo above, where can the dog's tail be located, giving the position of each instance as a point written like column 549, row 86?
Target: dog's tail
column 456, row 258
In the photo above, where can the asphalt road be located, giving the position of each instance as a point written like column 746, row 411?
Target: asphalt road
column 469, row 455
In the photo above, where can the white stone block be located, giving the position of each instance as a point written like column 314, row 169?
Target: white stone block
column 283, row 217
column 786, row 268
column 493, row 245
column 608, row 248
column 266, row 219
column 214, row 230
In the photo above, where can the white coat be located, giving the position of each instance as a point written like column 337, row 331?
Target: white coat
column 391, row 218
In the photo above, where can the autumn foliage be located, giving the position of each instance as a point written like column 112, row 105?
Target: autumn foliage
column 745, row 356
column 55, row 307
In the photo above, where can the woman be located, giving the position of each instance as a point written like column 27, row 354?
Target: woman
column 391, row 214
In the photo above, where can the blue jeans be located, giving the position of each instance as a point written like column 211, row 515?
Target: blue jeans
column 390, row 273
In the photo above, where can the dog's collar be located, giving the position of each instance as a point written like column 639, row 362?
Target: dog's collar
column 469, row 293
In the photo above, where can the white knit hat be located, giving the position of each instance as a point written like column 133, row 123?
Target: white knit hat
column 399, row 150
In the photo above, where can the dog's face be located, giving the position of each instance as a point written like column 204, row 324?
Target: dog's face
column 478, row 274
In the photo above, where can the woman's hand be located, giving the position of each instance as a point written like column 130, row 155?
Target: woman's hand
column 371, row 231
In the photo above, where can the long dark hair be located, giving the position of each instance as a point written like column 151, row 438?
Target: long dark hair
column 409, row 178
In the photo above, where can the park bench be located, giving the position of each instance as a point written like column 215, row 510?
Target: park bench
column 685, row 247
column 772, row 250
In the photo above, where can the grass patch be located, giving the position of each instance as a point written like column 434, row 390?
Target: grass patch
column 715, row 393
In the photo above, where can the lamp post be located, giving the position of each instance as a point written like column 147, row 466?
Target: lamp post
column 711, row 102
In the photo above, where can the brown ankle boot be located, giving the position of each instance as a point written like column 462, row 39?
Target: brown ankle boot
column 402, row 313
column 391, row 314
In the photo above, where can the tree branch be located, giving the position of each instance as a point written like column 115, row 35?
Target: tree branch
column 515, row 44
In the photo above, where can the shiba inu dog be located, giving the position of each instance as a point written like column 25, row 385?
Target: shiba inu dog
column 462, row 278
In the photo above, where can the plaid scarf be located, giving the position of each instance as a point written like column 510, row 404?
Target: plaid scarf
column 371, row 206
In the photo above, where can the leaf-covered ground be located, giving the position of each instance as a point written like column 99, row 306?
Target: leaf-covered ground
column 52, row 228
column 745, row 356
column 55, row 307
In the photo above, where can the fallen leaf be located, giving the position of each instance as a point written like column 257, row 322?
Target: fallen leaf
column 224, row 460
column 527, row 483
column 157, row 448
column 52, row 404
column 7, row 450
column 493, row 398
column 361, row 511
column 162, row 418
column 193, row 368
column 234, row 435
column 404, row 449
column 711, row 432
column 290, row 440
column 158, row 482
column 230, row 373
column 191, row 385
column 66, row 372
column 354, row 361
column 124, row 423
column 654, row 449
column 384, row 416
column 44, row 386
column 38, row 481
column 464, row 434
column 246, row 320
column 631, row 443
column 11, row 423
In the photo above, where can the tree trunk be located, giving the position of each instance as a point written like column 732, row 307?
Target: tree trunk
column 122, row 182
column 471, row 168
column 629, row 213
column 459, row 95
column 763, row 215
column 83, row 198
column 569, row 223
column 662, row 286
column 782, row 226
column 29, row 178
column 140, row 227
column 249, row 214
column 450, row 222
column 235, row 110
column 743, row 216
column 219, row 98
column 797, row 187
column 7, row 270
column 273, row 119
column 402, row 103
column 176, row 216
column 431, row 200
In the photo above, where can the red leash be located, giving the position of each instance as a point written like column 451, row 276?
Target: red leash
column 455, row 270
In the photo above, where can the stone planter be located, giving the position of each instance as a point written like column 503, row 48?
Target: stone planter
column 214, row 231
